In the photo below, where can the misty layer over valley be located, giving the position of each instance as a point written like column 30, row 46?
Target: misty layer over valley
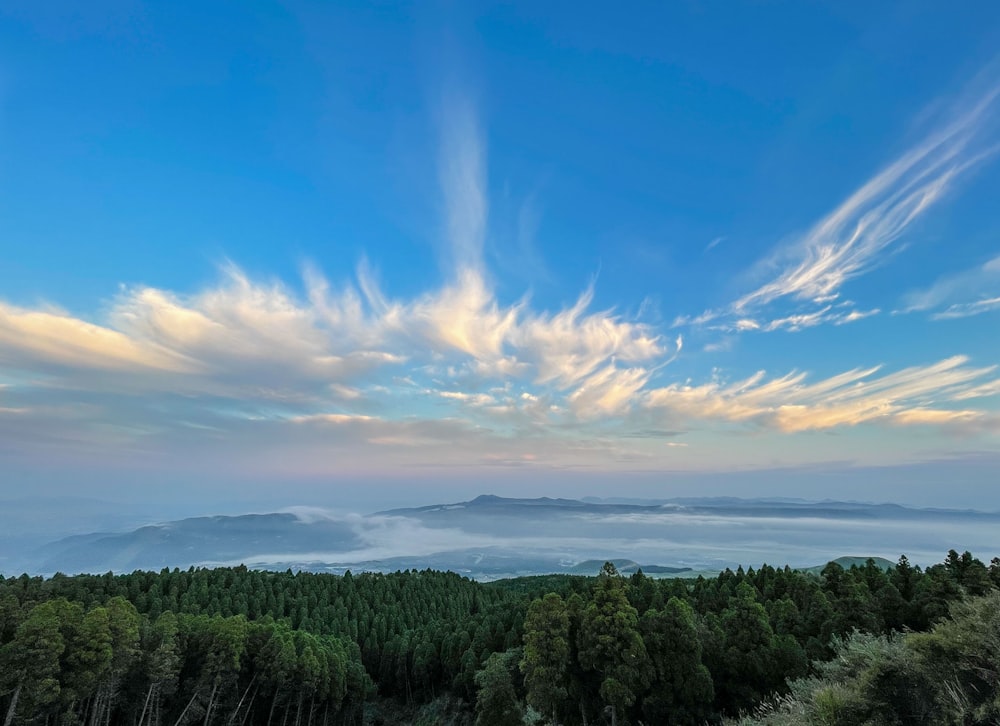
column 493, row 537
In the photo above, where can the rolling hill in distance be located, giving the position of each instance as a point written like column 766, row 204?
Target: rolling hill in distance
column 491, row 537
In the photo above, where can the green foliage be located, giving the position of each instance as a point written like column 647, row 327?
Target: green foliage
column 547, row 654
column 681, row 690
column 948, row 676
column 237, row 646
column 610, row 644
column 496, row 698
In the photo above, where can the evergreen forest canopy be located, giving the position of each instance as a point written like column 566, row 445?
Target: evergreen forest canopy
column 768, row 646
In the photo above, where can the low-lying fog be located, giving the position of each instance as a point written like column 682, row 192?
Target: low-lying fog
column 492, row 537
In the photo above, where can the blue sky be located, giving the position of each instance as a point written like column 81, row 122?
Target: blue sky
column 341, row 253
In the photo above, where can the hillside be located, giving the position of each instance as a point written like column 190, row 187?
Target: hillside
column 232, row 645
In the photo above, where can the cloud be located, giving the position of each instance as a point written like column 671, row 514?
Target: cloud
column 841, row 314
column 789, row 404
column 855, row 315
column 965, row 310
column 248, row 339
column 701, row 537
column 608, row 392
column 464, row 317
column 847, row 241
column 237, row 340
column 714, row 243
column 959, row 295
column 462, row 170
column 474, row 399
column 855, row 237
column 277, row 375
column 30, row 338
column 720, row 346
column 567, row 347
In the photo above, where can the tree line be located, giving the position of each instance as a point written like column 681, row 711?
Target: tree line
column 237, row 646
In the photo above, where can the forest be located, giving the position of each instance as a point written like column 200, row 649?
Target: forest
column 767, row 646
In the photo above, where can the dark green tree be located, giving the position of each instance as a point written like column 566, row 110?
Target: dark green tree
column 610, row 644
column 546, row 660
column 681, row 690
column 496, row 696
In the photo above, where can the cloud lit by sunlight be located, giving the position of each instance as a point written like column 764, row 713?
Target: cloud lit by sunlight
column 453, row 374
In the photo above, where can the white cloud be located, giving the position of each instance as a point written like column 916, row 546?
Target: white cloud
column 473, row 399
column 847, row 242
column 854, row 238
column 351, row 370
column 959, row 295
column 30, row 338
column 463, row 181
column 610, row 391
column 569, row 346
column 247, row 340
column 856, row 315
column 917, row 395
column 837, row 315
column 965, row 310
column 714, row 243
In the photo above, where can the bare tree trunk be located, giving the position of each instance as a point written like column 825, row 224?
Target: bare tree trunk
column 250, row 705
column 12, row 707
column 184, row 712
column 95, row 707
column 270, row 715
column 239, row 705
column 149, row 694
column 211, row 702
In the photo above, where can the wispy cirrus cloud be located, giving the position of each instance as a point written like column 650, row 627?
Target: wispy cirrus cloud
column 716, row 241
column 462, row 172
column 966, row 310
column 837, row 315
column 959, row 295
column 857, row 235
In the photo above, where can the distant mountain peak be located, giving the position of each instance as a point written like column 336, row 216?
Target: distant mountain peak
column 489, row 499
column 490, row 536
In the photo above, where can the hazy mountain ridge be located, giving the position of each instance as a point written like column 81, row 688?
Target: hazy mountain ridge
column 491, row 537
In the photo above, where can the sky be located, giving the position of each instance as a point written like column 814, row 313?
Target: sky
column 359, row 254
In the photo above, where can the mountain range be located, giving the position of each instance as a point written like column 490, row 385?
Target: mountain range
column 491, row 537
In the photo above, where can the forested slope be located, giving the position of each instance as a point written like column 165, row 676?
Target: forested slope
column 228, row 646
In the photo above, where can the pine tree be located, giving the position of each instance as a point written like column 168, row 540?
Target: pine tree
column 681, row 691
column 610, row 643
column 496, row 697
column 545, row 664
